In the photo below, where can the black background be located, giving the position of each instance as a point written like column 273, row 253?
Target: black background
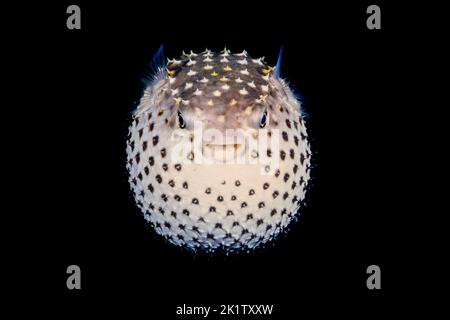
column 90, row 82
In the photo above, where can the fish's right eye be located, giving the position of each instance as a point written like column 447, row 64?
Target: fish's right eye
column 263, row 120
column 181, row 122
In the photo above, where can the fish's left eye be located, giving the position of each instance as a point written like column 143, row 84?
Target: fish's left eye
column 181, row 121
column 263, row 120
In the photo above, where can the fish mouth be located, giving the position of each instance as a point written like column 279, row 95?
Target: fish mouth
column 222, row 153
column 224, row 146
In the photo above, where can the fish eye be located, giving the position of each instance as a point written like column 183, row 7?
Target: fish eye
column 181, row 122
column 263, row 120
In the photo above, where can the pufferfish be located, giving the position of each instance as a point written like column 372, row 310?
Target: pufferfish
column 218, row 152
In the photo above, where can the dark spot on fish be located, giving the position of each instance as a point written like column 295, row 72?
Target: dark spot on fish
column 302, row 158
column 292, row 153
column 302, row 180
column 155, row 140
column 195, row 201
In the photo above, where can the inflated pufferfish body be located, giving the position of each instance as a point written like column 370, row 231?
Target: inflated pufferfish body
column 218, row 155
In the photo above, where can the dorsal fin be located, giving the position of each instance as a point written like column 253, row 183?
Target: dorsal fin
column 157, row 65
column 278, row 65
